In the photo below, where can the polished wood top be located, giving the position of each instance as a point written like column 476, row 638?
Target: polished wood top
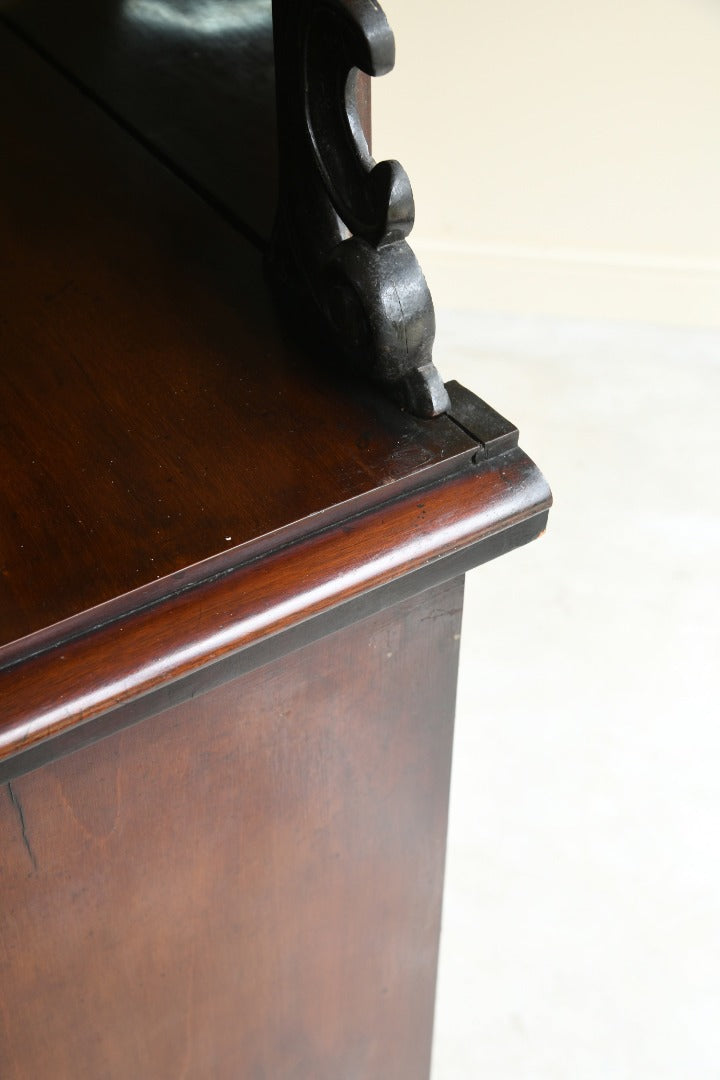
column 181, row 482
column 154, row 418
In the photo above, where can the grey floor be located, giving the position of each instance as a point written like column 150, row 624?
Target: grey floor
column 581, row 929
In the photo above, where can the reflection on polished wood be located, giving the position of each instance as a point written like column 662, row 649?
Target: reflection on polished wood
column 230, row 602
column 249, row 885
column 195, row 79
column 156, row 418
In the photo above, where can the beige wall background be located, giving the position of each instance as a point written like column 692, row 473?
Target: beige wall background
column 565, row 156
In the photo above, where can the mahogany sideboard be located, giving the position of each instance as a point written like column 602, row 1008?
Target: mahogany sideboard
column 231, row 575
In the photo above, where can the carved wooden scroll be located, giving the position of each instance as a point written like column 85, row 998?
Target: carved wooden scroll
column 339, row 244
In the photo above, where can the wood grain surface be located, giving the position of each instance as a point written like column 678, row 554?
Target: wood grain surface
column 80, row 680
column 247, row 886
column 155, row 421
column 178, row 482
column 208, row 527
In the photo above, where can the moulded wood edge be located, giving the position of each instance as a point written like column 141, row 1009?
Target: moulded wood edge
column 53, row 692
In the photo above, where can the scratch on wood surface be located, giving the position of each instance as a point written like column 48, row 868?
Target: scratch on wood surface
column 441, row 613
column 23, row 828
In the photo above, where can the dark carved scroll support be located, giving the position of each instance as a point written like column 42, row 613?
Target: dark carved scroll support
column 339, row 244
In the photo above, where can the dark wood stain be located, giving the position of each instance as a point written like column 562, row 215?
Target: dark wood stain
column 230, row 593
column 196, row 82
column 153, row 415
column 82, row 679
column 248, row 886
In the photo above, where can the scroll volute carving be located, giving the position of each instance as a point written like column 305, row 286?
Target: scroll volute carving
column 339, row 244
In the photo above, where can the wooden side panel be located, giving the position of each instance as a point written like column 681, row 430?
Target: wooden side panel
column 247, row 885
